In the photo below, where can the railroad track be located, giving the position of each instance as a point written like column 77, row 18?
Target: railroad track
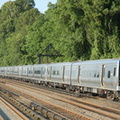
column 105, row 111
column 71, row 114
column 18, row 113
column 109, row 112
column 28, row 113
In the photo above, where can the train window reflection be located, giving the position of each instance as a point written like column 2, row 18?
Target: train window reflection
column 37, row 72
column 108, row 74
column 114, row 71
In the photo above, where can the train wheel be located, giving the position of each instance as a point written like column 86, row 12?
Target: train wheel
column 111, row 96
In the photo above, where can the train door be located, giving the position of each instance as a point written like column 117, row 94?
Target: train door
column 67, row 74
column 44, row 72
column 108, row 76
column 63, row 74
column 103, row 75
column 79, row 75
column 49, row 71
column 110, row 80
column 27, row 70
column 18, row 71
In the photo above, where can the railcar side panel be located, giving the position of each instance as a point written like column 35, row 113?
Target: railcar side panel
column 110, row 79
column 30, row 71
column 90, row 75
column 56, row 74
column 76, row 75
column 67, row 74
column 60, row 72
column 39, row 72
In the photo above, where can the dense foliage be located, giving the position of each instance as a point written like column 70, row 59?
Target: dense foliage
column 78, row 29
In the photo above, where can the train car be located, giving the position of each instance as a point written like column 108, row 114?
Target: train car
column 39, row 73
column 2, row 71
column 95, row 76
column 8, row 71
column 100, row 76
column 58, row 74
column 25, row 72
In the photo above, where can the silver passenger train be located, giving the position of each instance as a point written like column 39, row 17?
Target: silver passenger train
column 97, row 76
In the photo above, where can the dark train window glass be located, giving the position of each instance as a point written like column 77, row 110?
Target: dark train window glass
column 15, row 71
column 94, row 74
column 114, row 71
column 29, row 72
column 37, row 72
column 108, row 74
column 97, row 75
column 53, row 72
column 58, row 73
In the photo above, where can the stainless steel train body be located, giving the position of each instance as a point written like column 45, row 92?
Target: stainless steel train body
column 91, row 76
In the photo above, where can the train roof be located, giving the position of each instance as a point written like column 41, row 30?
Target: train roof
column 98, row 61
column 66, row 63
column 69, row 63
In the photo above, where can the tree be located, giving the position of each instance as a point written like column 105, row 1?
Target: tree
column 34, row 39
column 17, row 16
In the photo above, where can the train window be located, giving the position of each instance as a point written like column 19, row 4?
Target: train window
column 58, row 73
column 42, row 71
column 54, row 72
column 114, row 71
column 2, row 71
column 108, row 74
column 97, row 75
column 37, row 72
column 94, row 74
column 29, row 72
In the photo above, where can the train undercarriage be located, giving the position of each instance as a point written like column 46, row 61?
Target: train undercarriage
column 77, row 90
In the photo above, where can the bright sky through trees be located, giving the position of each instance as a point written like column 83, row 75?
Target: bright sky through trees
column 40, row 4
